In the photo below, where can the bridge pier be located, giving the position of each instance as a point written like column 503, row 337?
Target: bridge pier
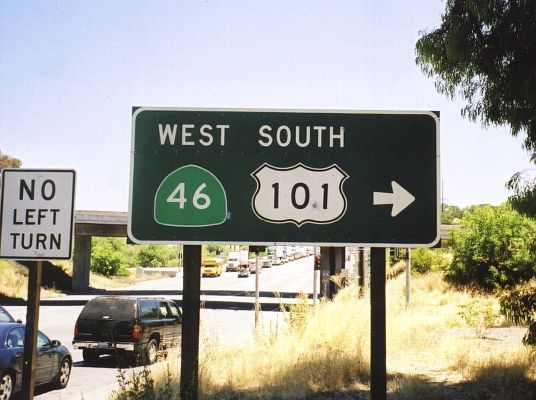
column 81, row 263
column 87, row 225
column 331, row 261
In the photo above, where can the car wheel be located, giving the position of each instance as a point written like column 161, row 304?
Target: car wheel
column 151, row 351
column 7, row 385
column 64, row 373
column 90, row 356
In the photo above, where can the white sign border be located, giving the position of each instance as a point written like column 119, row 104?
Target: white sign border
column 434, row 114
column 71, row 230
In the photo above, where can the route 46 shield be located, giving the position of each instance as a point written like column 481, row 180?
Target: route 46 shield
column 299, row 194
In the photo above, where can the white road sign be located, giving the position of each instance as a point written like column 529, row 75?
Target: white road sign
column 36, row 214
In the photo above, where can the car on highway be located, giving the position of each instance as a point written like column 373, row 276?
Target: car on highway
column 253, row 267
column 276, row 261
column 53, row 362
column 5, row 316
column 243, row 273
column 266, row 264
column 133, row 329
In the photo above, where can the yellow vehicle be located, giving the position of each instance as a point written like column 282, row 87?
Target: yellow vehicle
column 211, row 268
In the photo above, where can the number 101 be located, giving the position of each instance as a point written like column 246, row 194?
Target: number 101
column 303, row 189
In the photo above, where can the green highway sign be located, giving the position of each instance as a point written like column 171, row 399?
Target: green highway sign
column 267, row 177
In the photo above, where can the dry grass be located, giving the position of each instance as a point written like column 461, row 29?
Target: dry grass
column 431, row 352
column 330, row 351
column 14, row 280
column 293, row 363
column 14, row 283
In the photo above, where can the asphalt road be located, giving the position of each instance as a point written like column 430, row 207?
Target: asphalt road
column 226, row 314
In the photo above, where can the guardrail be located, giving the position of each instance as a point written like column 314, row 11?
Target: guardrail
column 172, row 272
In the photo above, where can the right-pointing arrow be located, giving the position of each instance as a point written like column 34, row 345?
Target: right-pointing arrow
column 400, row 198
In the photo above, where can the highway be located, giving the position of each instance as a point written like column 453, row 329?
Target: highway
column 226, row 313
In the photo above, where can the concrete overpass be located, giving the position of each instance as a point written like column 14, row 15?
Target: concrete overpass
column 114, row 224
column 86, row 225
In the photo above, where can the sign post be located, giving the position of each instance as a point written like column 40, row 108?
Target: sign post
column 271, row 177
column 36, row 219
column 191, row 300
column 378, row 372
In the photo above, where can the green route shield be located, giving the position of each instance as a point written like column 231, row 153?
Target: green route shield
column 190, row 196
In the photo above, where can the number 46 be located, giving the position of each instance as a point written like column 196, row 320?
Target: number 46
column 199, row 200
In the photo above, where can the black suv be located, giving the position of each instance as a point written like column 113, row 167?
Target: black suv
column 135, row 327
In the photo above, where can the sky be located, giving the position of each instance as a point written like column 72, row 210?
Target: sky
column 70, row 73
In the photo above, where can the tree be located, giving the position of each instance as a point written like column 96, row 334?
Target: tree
column 153, row 255
column 107, row 256
column 524, row 188
column 8, row 162
column 519, row 306
column 485, row 51
column 451, row 214
column 494, row 248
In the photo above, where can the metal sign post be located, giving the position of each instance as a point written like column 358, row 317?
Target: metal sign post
column 257, row 294
column 191, row 299
column 378, row 374
column 30, row 337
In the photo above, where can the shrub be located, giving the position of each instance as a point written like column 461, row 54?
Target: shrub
column 107, row 256
column 297, row 313
column 155, row 256
column 519, row 306
column 479, row 315
column 424, row 260
column 494, row 248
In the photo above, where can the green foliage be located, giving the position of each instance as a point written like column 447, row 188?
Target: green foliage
column 451, row 214
column 494, row 248
column 214, row 250
column 519, row 306
column 298, row 313
column 151, row 255
column 524, row 198
column 141, row 386
column 107, row 256
column 424, row 260
column 484, row 51
column 130, row 255
column 479, row 315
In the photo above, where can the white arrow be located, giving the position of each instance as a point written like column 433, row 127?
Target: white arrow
column 400, row 198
